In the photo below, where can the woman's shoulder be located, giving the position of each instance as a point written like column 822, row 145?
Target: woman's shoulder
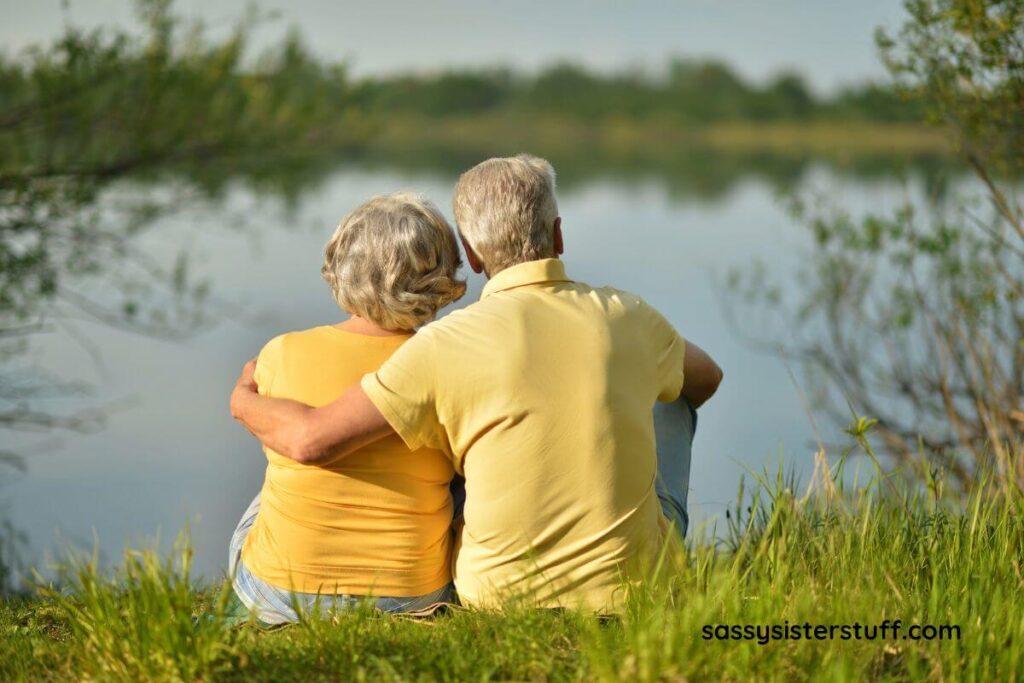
column 276, row 348
column 295, row 351
column 328, row 338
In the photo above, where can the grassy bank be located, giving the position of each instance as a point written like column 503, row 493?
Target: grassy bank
column 879, row 552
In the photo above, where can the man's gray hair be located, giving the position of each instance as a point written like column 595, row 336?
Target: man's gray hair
column 505, row 209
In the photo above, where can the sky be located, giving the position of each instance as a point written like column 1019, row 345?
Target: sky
column 830, row 42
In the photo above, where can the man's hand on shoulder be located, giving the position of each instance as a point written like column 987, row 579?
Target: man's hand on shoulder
column 248, row 376
column 246, row 385
column 302, row 433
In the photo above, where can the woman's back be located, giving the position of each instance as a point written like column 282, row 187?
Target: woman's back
column 374, row 522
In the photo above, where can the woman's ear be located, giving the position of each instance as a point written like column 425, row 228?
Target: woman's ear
column 475, row 263
column 558, row 243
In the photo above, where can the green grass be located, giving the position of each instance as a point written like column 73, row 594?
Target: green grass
column 884, row 550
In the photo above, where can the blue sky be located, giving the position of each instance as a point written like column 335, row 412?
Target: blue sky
column 831, row 41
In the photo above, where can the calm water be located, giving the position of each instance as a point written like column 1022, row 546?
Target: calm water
column 170, row 456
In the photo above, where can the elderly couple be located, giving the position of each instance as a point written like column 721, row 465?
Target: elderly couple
column 546, row 396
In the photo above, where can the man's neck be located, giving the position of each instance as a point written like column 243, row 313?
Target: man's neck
column 489, row 273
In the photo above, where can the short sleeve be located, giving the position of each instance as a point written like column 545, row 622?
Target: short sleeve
column 670, row 352
column 268, row 365
column 404, row 391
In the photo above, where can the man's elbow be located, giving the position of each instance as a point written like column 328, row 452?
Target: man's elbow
column 714, row 380
column 303, row 446
column 717, row 375
column 699, row 392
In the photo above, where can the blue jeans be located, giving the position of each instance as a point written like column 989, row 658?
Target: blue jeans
column 273, row 605
column 674, row 426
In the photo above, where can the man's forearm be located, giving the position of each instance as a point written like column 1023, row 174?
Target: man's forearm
column 280, row 424
column 302, row 433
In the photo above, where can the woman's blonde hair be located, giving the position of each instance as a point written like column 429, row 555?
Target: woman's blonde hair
column 394, row 261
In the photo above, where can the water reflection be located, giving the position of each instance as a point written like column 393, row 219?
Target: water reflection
column 694, row 174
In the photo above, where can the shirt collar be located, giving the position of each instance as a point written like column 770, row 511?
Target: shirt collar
column 528, row 273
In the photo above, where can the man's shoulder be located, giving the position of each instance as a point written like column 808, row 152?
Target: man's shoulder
column 480, row 314
column 615, row 299
column 629, row 309
column 453, row 324
column 461, row 333
column 623, row 296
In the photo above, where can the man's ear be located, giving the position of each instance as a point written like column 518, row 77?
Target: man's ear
column 558, row 243
column 475, row 263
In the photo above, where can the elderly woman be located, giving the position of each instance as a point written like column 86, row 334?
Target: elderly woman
column 374, row 524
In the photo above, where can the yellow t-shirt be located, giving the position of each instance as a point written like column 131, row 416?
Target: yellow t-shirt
column 543, row 392
column 374, row 522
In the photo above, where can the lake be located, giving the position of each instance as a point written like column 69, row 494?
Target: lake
column 170, row 457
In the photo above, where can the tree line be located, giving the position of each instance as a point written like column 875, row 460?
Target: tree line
column 691, row 91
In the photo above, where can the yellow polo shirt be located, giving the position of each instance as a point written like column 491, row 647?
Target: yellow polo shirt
column 542, row 394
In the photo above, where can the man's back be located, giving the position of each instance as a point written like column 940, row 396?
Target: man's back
column 543, row 393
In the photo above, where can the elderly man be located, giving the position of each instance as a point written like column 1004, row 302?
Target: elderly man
column 542, row 393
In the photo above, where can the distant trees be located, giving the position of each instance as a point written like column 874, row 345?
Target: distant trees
column 691, row 92
column 442, row 94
